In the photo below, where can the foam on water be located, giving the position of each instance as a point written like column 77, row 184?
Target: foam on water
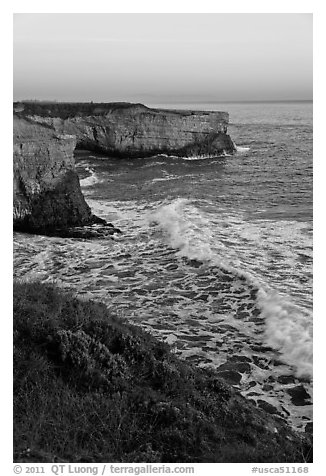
column 181, row 234
column 165, row 275
column 165, row 178
column 224, row 276
column 288, row 327
column 91, row 180
column 242, row 149
column 207, row 156
column 289, row 330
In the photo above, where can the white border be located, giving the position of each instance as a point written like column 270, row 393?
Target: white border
column 168, row 6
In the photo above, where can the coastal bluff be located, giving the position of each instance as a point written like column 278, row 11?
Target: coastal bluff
column 47, row 194
column 47, row 198
column 134, row 130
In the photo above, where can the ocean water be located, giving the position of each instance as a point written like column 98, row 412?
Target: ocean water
column 215, row 255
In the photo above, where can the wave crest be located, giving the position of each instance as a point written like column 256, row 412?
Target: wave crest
column 180, row 233
column 91, row 180
column 287, row 328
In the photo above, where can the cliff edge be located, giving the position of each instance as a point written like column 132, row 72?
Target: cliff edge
column 47, row 196
column 134, row 130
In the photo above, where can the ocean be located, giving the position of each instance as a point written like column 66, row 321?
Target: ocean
column 215, row 255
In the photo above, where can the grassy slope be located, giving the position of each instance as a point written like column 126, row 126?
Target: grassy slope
column 89, row 387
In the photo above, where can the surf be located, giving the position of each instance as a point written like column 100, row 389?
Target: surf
column 287, row 328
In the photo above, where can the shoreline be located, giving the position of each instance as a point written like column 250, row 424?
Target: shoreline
column 236, row 368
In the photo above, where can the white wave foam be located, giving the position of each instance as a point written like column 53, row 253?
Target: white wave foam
column 164, row 179
column 186, row 229
column 153, row 163
column 241, row 149
column 180, row 232
column 91, row 180
column 205, row 157
column 288, row 328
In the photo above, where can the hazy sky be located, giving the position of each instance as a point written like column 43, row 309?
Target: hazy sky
column 162, row 57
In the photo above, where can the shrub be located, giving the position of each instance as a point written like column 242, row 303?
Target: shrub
column 91, row 387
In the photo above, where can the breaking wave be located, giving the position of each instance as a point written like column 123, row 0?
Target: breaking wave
column 288, row 328
column 91, row 180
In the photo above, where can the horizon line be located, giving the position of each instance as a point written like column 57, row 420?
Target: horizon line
column 240, row 101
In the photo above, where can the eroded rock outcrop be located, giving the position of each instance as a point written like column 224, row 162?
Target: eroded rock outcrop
column 47, row 195
column 134, row 130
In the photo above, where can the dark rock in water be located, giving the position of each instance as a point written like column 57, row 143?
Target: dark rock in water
column 256, row 320
column 252, row 384
column 230, row 376
column 253, row 294
column 299, row 396
column 267, row 407
column 172, row 267
column 260, row 362
column 286, row 379
column 225, row 327
column 261, row 348
column 239, row 358
column 277, row 362
column 202, row 297
column 226, row 278
column 242, row 367
column 256, row 312
column 195, row 263
column 241, row 315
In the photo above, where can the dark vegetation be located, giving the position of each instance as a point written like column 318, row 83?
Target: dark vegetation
column 89, row 387
column 67, row 110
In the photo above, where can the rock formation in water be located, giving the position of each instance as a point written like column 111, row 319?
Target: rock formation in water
column 47, row 195
column 134, row 130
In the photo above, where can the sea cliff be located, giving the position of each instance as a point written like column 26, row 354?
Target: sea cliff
column 46, row 191
column 47, row 195
column 134, row 130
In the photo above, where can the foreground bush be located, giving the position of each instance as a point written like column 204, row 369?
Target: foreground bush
column 91, row 388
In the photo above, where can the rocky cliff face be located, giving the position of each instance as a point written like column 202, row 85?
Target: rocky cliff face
column 47, row 193
column 134, row 130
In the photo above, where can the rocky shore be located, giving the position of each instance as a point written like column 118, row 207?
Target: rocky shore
column 48, row 200
column 47, row 195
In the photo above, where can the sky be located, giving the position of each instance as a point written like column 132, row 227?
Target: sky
column 158, row 58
